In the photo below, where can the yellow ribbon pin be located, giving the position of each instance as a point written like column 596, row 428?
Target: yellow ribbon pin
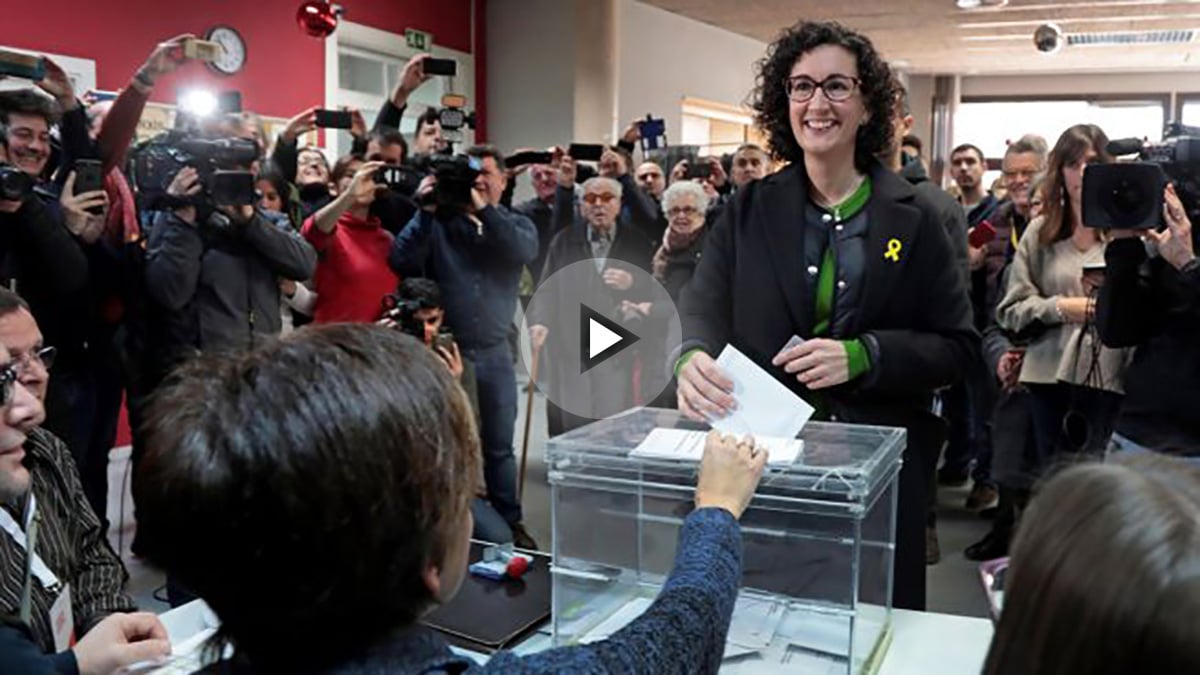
column 893, row 251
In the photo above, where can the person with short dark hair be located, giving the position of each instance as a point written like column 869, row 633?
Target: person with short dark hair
column 1102, row 578
column 840, row 251
column 375, row 493
column 428, row 139
column 431, row 313
column 387, row 146
column 476, row 255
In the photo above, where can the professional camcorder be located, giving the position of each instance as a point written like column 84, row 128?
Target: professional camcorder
column 220, row 163
column 1129, row 195
column 455, row 175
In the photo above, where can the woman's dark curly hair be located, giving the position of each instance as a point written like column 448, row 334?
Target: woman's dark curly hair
column 770, row 100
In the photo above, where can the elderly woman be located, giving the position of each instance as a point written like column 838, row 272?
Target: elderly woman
column 839, row 251
column 684, row 203
column 606, row 284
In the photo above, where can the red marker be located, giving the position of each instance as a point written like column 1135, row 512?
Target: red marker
column 516, row 567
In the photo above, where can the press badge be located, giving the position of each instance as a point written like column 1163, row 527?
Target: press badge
column 62, row 621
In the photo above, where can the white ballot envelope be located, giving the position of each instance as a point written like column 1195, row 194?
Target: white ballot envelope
column 765, row 407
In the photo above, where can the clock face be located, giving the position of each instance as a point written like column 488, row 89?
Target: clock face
column 233, row 57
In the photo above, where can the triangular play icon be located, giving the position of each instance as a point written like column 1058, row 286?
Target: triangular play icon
column 600, row 337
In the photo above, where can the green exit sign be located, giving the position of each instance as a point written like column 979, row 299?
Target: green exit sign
column 418, row 40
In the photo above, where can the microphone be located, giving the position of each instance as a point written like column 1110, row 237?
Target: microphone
column 1125, row 146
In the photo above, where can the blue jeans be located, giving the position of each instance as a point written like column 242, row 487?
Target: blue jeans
column 497, row 387
column 489, row 526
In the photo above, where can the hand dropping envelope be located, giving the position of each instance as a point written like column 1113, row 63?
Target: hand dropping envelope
column 765, row 407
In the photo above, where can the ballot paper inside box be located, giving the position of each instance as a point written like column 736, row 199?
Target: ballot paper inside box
column 818, row 541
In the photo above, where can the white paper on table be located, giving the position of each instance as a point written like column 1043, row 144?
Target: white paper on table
column 688, row 445
column 765, row 407
column 617, row 620
column 755, row 621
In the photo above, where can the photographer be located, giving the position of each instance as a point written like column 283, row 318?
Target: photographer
column 422, row 314
column 212, row 275
column 352, row 275
column 307, row 168
column 475, row 252
column 1151, row 300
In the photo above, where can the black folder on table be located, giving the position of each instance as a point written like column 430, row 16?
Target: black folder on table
column 487, row 616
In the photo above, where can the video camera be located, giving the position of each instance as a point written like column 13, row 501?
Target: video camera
column 1129, row 195
column 220, row 164
column 455, row 175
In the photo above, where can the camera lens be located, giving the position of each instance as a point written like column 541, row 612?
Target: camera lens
column 1128, row 196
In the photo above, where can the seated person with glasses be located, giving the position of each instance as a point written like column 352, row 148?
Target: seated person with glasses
column 320, row 540
column 72, row 561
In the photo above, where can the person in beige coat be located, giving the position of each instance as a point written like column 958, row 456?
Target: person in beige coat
column 1049, row 305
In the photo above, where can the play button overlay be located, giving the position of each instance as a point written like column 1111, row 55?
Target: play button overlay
column 602, row 337
column 609, row 337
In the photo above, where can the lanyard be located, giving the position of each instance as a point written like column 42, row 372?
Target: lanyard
column 34, row 562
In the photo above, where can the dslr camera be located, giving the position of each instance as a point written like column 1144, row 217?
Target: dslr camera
column 1129, row 195
column 220, row 164
column 404, row 314
column 15, row 184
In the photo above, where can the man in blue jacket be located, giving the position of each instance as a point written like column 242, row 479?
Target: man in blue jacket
column 476, row 256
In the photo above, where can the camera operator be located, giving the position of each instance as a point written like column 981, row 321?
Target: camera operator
column 352, row 247
column 212, row 274
column 1151, row 299
column 475, row 252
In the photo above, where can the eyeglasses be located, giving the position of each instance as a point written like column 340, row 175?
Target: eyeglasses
column 44, row 356
column 8, row 380
column 688, row 211
column 603, row 198
column 801, row 88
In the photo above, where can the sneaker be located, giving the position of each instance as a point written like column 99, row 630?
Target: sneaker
column 993, row 545
column 952, row 478
column 933, row 551
column 983, row 496
column 521, row 538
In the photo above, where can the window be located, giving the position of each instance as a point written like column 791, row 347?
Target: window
column 1191, row 113
column 991, row 125
column 715, row 128
column 366, row 79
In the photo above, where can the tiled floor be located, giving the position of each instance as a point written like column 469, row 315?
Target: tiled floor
column 954, row 586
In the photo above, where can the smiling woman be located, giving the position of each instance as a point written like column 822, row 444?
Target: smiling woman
column 840, row 251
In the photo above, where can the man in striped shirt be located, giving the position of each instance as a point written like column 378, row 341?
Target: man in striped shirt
column 40, row 490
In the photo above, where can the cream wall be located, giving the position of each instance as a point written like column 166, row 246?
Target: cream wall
column 664, row 57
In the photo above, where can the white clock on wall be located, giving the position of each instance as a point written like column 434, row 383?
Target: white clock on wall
column 233, row 58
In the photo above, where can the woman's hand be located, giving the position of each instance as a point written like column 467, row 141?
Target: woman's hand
column 362, row 188
column 817, row 364
column 300, row 125
column 729, row 473
column 1075, row 310
column 704, row 392
column 1174, row 243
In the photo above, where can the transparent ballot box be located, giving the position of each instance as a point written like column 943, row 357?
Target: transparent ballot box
column 818, row 541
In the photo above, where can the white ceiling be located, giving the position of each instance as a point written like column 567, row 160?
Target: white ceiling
column 935, row 36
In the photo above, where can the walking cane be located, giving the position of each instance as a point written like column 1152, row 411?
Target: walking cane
column 533, row 369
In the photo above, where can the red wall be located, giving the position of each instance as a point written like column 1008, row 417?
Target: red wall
column 285, row 69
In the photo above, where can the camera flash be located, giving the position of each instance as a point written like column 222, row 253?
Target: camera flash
column 199, row 102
